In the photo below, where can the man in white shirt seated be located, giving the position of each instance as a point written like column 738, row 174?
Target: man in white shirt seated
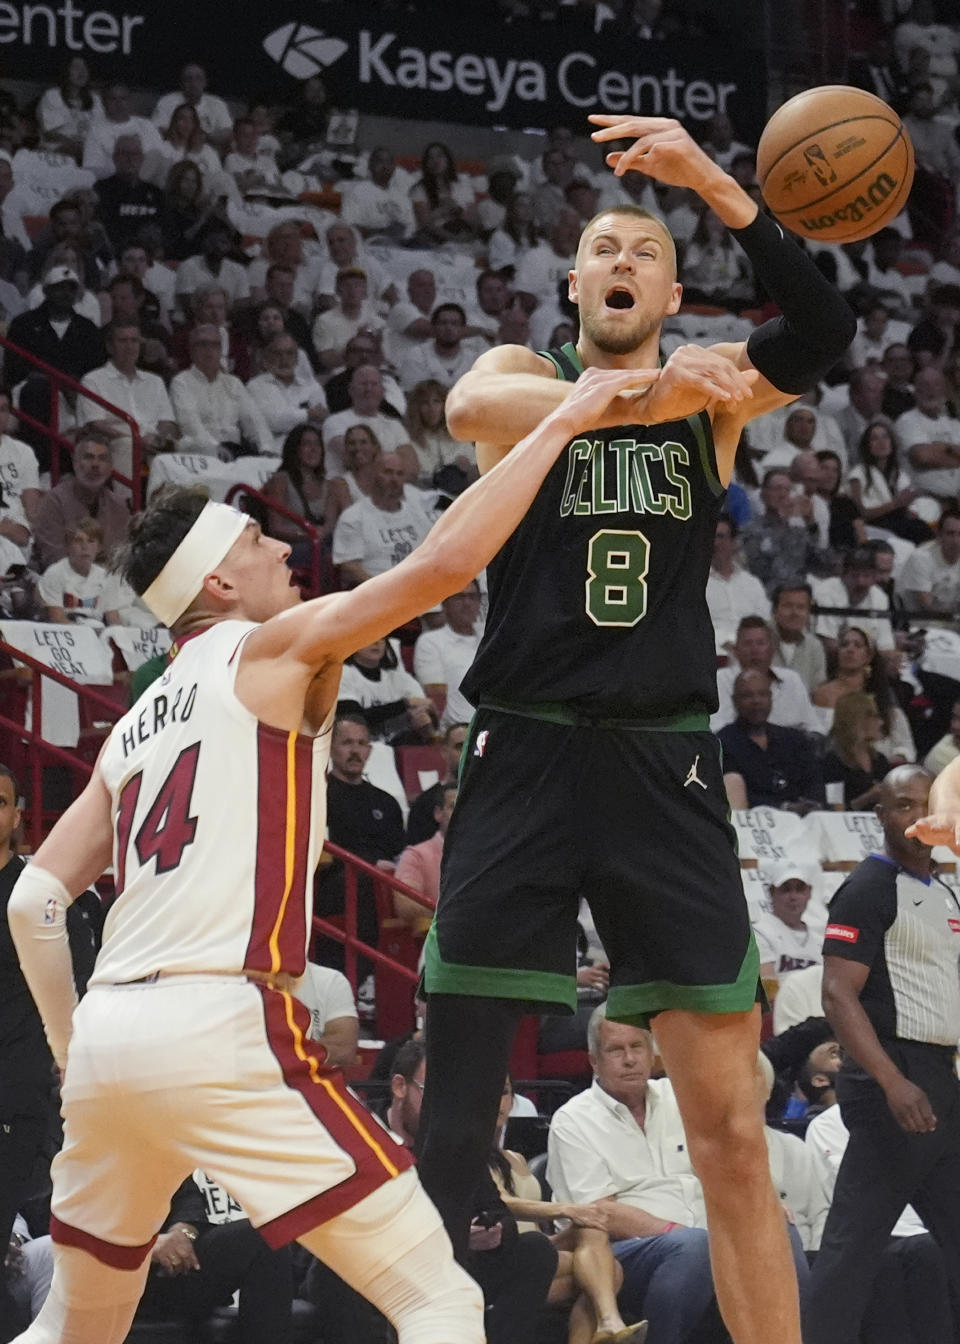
column 444, row 358
column 622, row 1142
column 366, row 394
column 345, row 250
column 376, row 533
column 931, row 576
column 212, row 266
column 794, row 644
column 930, row 438
column 141, row 395
column 544, row 268
column 333, row 1013
column 732, row 591
column 868, row 605
column 117, row 120
column 353, row 312
column 441, row 657
column 875, row 331
column 409, row 321
column 212, row 112
column 786, row 941
column 864, row 405
column 214, row 410
column 20, row 492
column 379, row 205
column 285, row 399
column 753, row 650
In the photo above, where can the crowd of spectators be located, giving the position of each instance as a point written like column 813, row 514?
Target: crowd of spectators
column 266, row 320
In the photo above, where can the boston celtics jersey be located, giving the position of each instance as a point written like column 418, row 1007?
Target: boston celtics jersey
column 598, row 599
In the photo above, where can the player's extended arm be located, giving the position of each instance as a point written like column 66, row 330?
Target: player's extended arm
column 75, row 853
column 941, row 826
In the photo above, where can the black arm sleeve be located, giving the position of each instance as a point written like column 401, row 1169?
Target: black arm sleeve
column 816, row 325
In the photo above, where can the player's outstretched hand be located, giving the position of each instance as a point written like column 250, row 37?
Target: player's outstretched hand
column 596, row 390
column 694, row 379
column 940, row 828
column 661, row 149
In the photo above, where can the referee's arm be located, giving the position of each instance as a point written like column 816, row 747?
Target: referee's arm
column 843, row 981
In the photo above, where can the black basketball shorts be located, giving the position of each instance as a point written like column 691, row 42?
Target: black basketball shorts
column 634, row 819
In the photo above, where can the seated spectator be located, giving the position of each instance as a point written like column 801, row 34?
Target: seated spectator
column 622, row 1142
column 444, row 204
column 304, row 125
column 66, row 112
column 300, row 485
column 215, row 412
column 543, row 273
column 20, row 493
column 753, row 650
column 880, row 490
column 899, row 370
column 846, row 529
column 557, row 170
column 141, row 395
column 883, row 254
column 212, row 266
column 794, row 644
column 798, row 432
column 376, row 533
column 931, row 577
column 127, row 200
column 432, row 444
column 852, row 759
column 279, row 286
column 283, row 246
column 251, row 165
column 76, row 589
column 137, row 261
column 946, row 269
column 333, row 1014
column 86, row 493
column 866, row 603
column 364, row 348
column 936, row 333
column 346, row 252
column 515, row 237
column 206, row 1252
column 212, row 112
column 132, row 305
column 775, row 766
column 715, row 269
column 419, row 867
column 441, row 657
column 588, row 1276
column 212, row 310
column 806, row 473
column 366, row 392
column 582, row 197
column 858, row 668
column 189, row 207
column 409, row 321
column 285, row 397
column 361, row 450
column 86, row 302
column 353, row 312
column 782, row 542
column 798, row 998
column 503, row 175
column 786, row 941
column 421, row 822
column 117, row 121
column 943, row 752
column 68, row 225
column 379, row 204
column 446, row 356
column 375, row 684
column 876, row 331
column 485, row 316
column 721, row 142
column 864, row 407
column 930, row 436
column 183, row 139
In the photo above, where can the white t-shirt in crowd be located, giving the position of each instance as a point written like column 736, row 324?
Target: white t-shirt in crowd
column 82, row 596
column 441, row 657
column 926, row 571
column 832, row 593
column 791, row 706
column 327, row 995
column 729, row 600
column 378, row 538
column 788, row 949
column 915, row 427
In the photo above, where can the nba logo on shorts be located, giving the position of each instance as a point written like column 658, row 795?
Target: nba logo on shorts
column 480, row 745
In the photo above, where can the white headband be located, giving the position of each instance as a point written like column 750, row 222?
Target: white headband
column 201, row 550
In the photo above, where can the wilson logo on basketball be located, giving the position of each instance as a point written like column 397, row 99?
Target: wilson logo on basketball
column 843, row 932
column 858, row 208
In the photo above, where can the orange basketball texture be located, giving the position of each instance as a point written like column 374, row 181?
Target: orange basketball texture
column 835, row 163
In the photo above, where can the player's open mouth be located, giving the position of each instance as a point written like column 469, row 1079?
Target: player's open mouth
column 619, row 298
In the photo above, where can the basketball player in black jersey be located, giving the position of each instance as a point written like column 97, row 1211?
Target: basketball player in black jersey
column 590, row 769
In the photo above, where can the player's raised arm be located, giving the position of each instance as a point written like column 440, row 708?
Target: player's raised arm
column 816, row 325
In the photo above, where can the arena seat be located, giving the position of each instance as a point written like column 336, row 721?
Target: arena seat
column 419, row 768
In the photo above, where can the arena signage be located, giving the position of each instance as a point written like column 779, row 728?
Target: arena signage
column 453, row 66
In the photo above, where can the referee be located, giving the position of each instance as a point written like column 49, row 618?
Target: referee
column 892, row 995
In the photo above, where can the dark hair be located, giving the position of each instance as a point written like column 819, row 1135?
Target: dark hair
column 950, row 510
column 798, row 586
column 174, row 183
column 753, row 623
column 276, row 267
column 7, row 773
column 448, row 175
column 195, row 138
column 828, row 455
column 860, row 558
column 83, row 97
column 290, row 455
column 58, row 207
column 770, row 472
column 349, row 716
column 523, row 233
column 156, row 533
column 449, row 308
column 413, row 1052
column 724, row 517
column 877, row 683
column 388, row 660
column 888, row 472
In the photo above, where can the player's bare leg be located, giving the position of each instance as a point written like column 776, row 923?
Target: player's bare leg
column 88, row 1303
column 711, row 1060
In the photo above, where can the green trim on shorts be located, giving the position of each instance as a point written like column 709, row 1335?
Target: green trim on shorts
column 692, row 721
column 495, row 982
column 637, row 1004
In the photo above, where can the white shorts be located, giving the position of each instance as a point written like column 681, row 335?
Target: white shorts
column 209, row 1072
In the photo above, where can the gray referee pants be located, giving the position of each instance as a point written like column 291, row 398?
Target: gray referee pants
column 883, row 1169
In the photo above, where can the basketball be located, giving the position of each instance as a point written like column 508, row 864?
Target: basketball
column 835, row 163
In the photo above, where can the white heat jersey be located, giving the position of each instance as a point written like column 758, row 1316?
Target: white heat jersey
column 218, row 825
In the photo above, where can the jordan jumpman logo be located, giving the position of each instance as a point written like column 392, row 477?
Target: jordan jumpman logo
column 692, row 776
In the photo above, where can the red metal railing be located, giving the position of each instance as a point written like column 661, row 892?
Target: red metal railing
column 309, row 531
column 58, row 441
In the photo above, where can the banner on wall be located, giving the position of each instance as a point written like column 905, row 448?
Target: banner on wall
column 455, row 65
